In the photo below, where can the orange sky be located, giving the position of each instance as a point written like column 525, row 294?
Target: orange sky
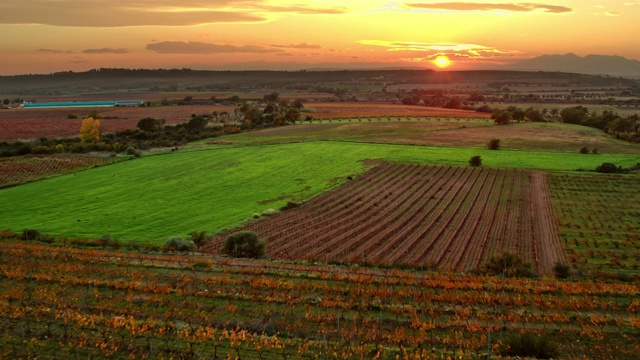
column 44, row 36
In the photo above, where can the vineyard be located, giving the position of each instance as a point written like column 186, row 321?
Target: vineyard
column 60, row 302
column 599, row 220
column 450, row 218
column 16, row 170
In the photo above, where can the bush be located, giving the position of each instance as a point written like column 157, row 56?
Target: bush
column 493, row 144
column 245, row 244
column 561, row 271
column 290, row 205
column 584, row 150
column 508, row 264
column 530, row 345
column 199, row 238
column 31, row 234
column 179, row 244
column 475, row 161
column 607, row 168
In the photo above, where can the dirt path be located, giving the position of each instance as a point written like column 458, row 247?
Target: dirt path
column 548, row 245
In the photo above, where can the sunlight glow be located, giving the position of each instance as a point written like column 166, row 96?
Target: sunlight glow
column 442, row 61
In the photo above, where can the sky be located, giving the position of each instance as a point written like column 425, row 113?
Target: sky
column 46, row 36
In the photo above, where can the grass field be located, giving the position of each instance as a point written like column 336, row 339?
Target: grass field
column 155, row 197
column 445, row 132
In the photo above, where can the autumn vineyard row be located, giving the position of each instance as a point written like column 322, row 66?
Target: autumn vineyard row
column 16, row 170
column 450, row 218
column 60, row 302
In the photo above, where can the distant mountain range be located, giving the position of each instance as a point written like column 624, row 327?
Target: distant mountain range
column 590, row 64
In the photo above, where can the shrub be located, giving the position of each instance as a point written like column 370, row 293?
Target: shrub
column 244, row 244
column 508, row 264
column 31, row 234
column 199, row 238
column 584, row 150
column 530, row 345
column 493, row 144
column 607, row 168
column 594, row 151
column 179, row 244
column 561, row 271
column 475, row 161
column 130, row 150
column 290, row 205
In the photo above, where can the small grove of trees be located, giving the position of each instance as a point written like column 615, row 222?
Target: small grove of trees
column 611, row 122
column 90, row 130
column 244, row 244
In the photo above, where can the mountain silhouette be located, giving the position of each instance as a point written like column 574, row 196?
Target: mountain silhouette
column 590, row 64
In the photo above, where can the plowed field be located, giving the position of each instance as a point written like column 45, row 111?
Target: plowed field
column 19, row 169
column 452, row 218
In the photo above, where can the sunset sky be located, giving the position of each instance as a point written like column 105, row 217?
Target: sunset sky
column 44, row 36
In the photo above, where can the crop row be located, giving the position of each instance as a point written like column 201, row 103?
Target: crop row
column 15, row 170
column 80, row 303
column 599, row 220
column 447, row 217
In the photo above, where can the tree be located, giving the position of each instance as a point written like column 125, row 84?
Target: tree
column 475, row 161
column 292, row 115
column 244, row 244
column 298, row 104
column 493, row 144
column 150, row 124
column 534, row 115
column 574, row 115
column 90, row 130
column 273, row 97
column 501, row 117
column 197, row 123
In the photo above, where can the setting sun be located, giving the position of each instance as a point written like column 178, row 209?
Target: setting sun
column 442, row 61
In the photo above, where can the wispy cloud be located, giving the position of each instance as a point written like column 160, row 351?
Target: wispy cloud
column 430, row 51
column 105, row 51
column 483, row 7
column 194, row 47
column 129, row 13
column 299, row 46
column 54, row 51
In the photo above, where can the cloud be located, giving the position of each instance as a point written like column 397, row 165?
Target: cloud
column 432, row 50
column 283, row 54
column 105, row 51
column 299, row 46
column 470, row 6
column 54, row 51
column 130, row 13
column 194, row 47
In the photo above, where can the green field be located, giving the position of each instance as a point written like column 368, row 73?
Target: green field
column 155, row 197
